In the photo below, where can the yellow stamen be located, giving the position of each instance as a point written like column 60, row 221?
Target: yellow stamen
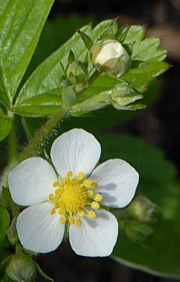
column 56, row 184
column 51, row 197
column 74, row 181
column 69, row 174
column 92, row 214
column 81, row 175
column 62, row 220
column 98, row 197
column 95, row 205
column 87, row 183
column 90, row 193
column 73, row 197
column 61, row 211
column 58, row 192
column 67, row 180
column 94, row 185
column 78, row 222
column 56, row 205
column 81, row 213
column 71, row 219
column 53, row 211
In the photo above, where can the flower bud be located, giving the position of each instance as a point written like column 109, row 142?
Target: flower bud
column 75, row 73
column 111, row 57
column 20, row 268
column 142, row 208
column 123, row 97
column 12, row 233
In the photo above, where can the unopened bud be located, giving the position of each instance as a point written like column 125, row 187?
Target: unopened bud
column 142, row 208
column 12, row 233
column 20, row 268
column 111, row 57
column 75, row 73
column 123, row 97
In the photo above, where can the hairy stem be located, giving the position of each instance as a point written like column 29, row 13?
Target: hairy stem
column 42, row 133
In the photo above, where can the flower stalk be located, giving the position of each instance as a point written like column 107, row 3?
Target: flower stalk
column 42, row 133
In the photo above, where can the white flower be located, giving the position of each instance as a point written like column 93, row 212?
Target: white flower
column 111, row 56
column 73, row 194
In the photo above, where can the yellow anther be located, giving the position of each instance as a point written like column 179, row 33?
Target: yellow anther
column 62, row 220
column 72, row 198
column 90, row 193
column 98, row 197
column 61, row 211
column 71, row 219
column 53, row 211
column 87, row 183
column 57, row 205
column 69, row 174
column 58, row 192
column 74, row 181
column 95, row 205
column 51, row 197
column 81, row 213
column 94, row 185
column 78, row 222
column 56, row 184
column 91, row 214
column 66, row 180
column 81, row 175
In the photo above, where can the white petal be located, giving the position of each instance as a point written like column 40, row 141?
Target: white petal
column 95, row 237
column 76, row 150
column 117, row 182
column 38, row 230
column 31, row 181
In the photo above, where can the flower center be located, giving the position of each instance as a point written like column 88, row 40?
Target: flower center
column 74, row 198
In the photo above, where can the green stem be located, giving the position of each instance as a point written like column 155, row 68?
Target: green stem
column 12, row 143
column 42, row 133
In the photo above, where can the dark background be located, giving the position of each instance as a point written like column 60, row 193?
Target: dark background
column 159, row 125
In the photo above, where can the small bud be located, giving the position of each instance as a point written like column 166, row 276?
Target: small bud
column 111, row 57
column 142, row 208
column 75, row 73
column 12, row 233
column 123, row 97
column 20, row 268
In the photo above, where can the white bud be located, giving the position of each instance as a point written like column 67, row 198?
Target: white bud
column 111, row 56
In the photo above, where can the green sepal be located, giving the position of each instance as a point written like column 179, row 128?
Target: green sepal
column 71, row 57
column 5, row 125
column 45, row 276
column 4, row 222
column 86, row 39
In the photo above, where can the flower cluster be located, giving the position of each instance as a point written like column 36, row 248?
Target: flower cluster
column 71, row 194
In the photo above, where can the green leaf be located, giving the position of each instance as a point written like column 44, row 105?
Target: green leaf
column 135, row 34
column 4, row 99
column 148, row 49
column 42, row 105
column 46, row 77
column 139, row 77
column 21, row 23
column 4, row 222
column 5, row 125
column 157, row 182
